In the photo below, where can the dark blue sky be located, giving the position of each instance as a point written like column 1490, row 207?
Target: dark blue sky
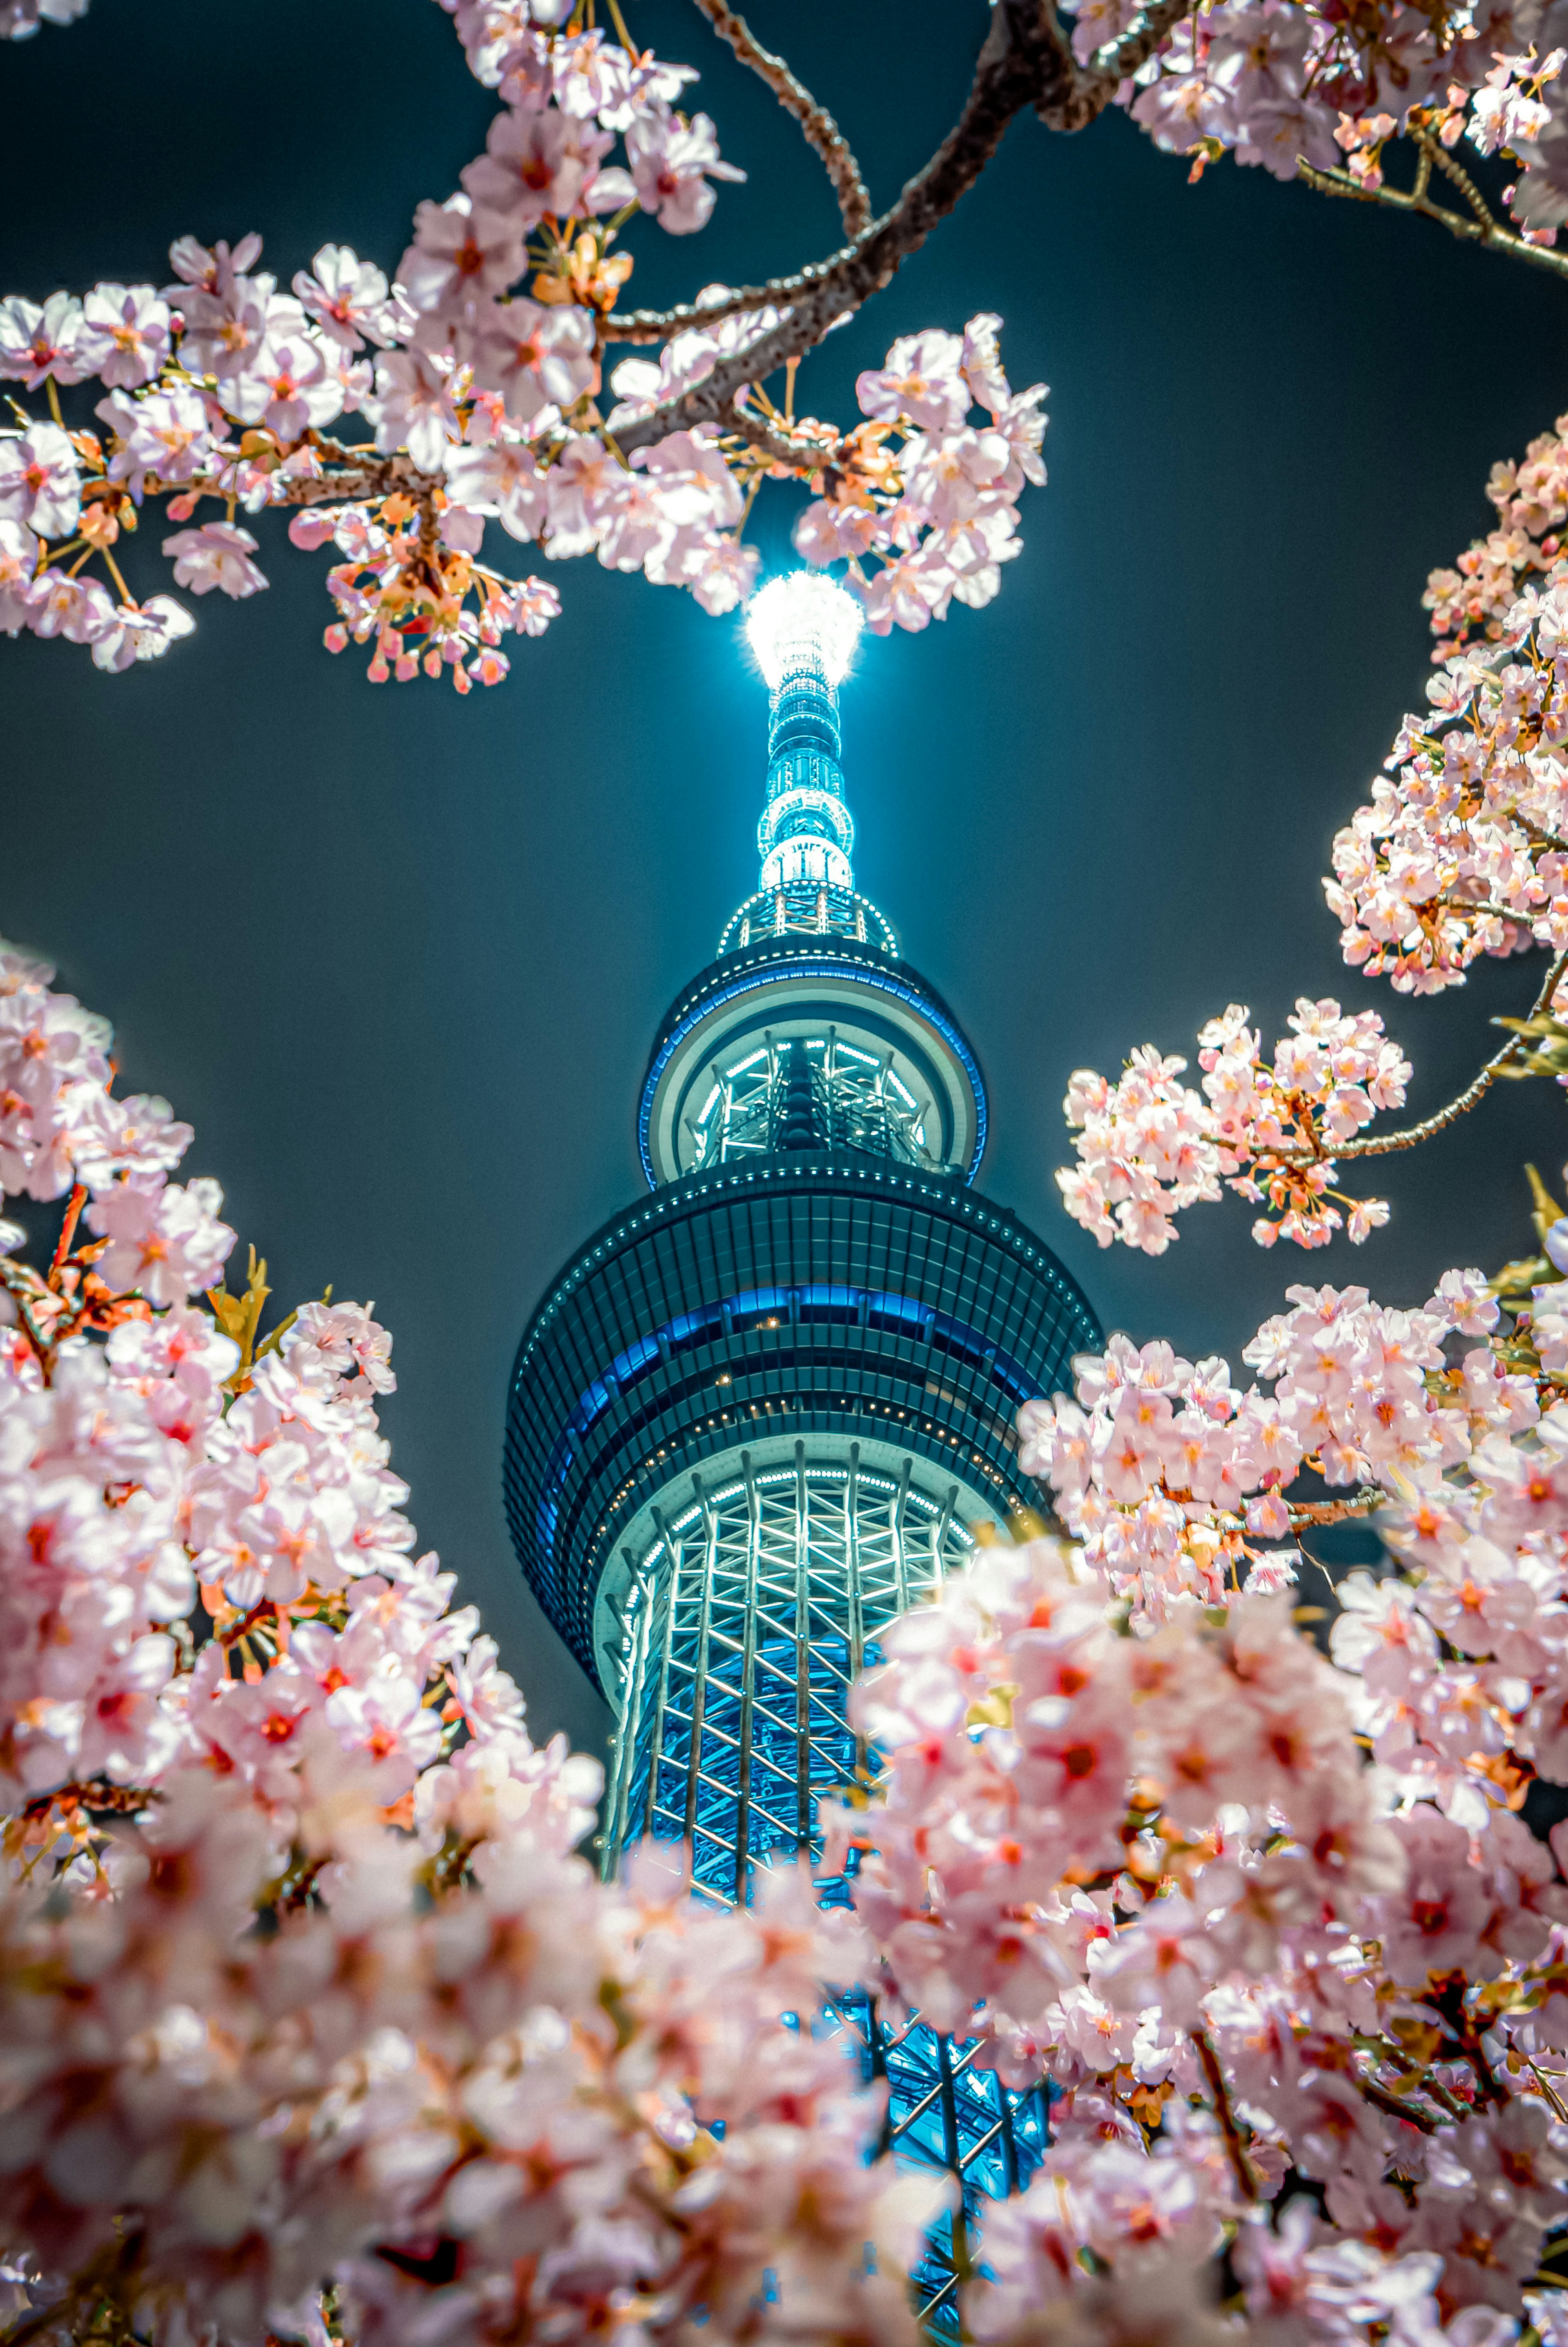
column 399, row 957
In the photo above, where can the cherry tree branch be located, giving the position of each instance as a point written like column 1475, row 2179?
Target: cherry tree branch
column 760, row 433
column 1025, row 62
column 1380, row 1144
column 1302, row 1512
column 1137, row 45
column 1481, row 229
column 1240, row 2167
column 817, row 125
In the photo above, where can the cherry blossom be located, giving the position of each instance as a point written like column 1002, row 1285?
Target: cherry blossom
column 672, row 162
column 492, row 337
column 216, row 555
column 140, row 631
column 39, row 483
column 1270, row 1130
column 347, row 298
column 535, row 357
column 1255, row 1911
column 126, row 334
column 39, row 342
column 444, row 2030
column 939, row 513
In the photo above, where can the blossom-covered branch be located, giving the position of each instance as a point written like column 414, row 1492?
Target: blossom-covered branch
column 1462, row 851
column 313, row 2026
column 1272, row 1129
column 483, row 403
column 1270, row 1920
column 817, row 124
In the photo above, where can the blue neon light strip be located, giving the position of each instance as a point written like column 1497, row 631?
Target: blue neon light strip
column 708, row 1321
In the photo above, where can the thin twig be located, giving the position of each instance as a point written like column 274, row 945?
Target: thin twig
column 1481, row 909
column 1025, row 62
column 1241, row 2169
column 1380, row 1144
column 1549, row 2091
column 1334, row 1511
column 1488, row 233
column 817, row 125
column 1455, row 171
column 1382, row 2100
column 74, row 1205
column 799, row 456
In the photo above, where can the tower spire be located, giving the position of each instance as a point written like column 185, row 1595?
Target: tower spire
column 803, row 629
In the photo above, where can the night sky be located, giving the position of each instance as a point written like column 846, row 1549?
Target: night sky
column 399, row 957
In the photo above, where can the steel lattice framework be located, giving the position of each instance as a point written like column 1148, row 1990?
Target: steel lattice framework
column 858, row 1100
column 746, row 1622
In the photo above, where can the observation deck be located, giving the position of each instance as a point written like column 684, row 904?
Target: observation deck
column 835, row 1297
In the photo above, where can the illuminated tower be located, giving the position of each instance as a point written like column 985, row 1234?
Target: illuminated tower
column 767, row 1408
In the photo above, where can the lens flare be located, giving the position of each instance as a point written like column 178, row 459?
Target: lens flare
column 802, row 620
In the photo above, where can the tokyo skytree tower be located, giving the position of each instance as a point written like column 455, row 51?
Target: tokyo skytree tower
column 766, row 1409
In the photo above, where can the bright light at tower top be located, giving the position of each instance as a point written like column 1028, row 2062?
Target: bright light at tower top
column 803, row 613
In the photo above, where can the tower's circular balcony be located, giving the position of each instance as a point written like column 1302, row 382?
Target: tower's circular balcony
column 807, row 912
column 899, row 1079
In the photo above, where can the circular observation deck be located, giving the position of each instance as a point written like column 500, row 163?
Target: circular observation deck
column 837, row 1298
column 891, row 1072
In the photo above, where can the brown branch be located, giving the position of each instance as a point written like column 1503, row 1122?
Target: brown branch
column 660, row 325
column 1528, row 824
column 1484, row 232
column 1481, row 910
column 1025, row 62
column 1382, row 2100
column 1137, row 46
column 799, row 456
column 1247, row 2182
column 1332, row 1511
column 1380, row 1144
column 817, row 125
column 1454, row 170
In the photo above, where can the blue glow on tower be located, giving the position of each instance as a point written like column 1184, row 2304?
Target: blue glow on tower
column 804, row 630
column 770, row 1407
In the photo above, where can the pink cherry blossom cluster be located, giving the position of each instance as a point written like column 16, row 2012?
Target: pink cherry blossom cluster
column 1325, row 87
column 1031, row 1745
column 537, row 2107
column 1506, row 115
column 935, row 517
column 218, row 386
column 1269, row 1918
column 1157, row 1857
column 312, row 2024
column 480, row 398
column 1271, row 1130
column 1462, row 849
column 570, row 94
column 1171, row 1476
column 1475, row 597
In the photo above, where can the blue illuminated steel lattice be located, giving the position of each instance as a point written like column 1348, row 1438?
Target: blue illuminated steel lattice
column 748, row 1619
